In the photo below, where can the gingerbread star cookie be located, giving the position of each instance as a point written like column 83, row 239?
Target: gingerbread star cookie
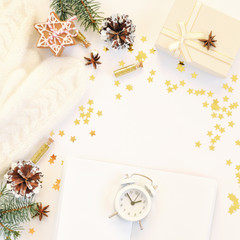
column 56, row 34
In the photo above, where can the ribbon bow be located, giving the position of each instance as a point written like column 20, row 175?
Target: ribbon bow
column 179, row 46
column 55, row 34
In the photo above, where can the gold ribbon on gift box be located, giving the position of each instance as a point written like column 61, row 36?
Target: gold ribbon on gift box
column 185, row 39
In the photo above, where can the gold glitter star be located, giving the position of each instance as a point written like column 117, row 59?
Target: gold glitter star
column 234, row 78
column 194, row 75
column 205, row 104
column 217, row 137
column 202, row 92
column 210, row 94
column 81, row 108
column 86, row 121
column 56, row 186
column 51, row 133
column 129, row 87
column 213, row 140
column 116, row 83
column 152, row 72
column 88, row 115
column 231, row 124
column 52, row 159
column 224, row 109
column 180, row 68
column 105, row 49
column 237, row 142
column 198, row 144
column 118, row 96
column 225, row 99
column 167, row 82
column 175, row 86
column 92, row 77
column 196, row 92
column 225, row 86
column 92, row 133
column 150, row 79
column 228, row 162
column 90, row 102
column 144, row 39
column 73, row 139
column 230, row 89
column 31, row 231
column 214, row 115
column 222, row 130
column 209, row 133
column 82, row 115
column 90, row 109
column 170, row 89
column 217, row 126
column 61, row 133
column 141, row 56
column 121, row 63
column 229, row 113
column 211, row 148
column 190, row 91
column 238, row 168
column 182, row 83
column 99, row 113
column 77, row 122
column 152, row 51
column 220, row 116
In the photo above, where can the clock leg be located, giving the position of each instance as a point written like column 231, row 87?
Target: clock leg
column 114, row 214
column 140, row 224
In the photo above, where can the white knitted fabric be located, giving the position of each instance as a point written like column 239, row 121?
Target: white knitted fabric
column 33, row 93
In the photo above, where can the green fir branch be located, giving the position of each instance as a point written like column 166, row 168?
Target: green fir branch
column 86, row 11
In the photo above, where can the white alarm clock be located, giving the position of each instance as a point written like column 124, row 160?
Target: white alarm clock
column 133, row 202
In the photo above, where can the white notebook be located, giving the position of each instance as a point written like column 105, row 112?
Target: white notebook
column 182, row 208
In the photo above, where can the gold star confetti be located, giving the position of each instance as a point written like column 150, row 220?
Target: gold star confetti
column 86, row 121
column 90, row 109
column 210, row 94
column 224, row 109
column 194, row 75
column 56, row 186
column 225, row 99
column 92, row 133
column 202, row 92
column 152, row 72
column 230, row 89
column 90, row 102
column 237, row 142
column 61, row 133
column 238, row 167
column 141, row 56
column 116, row 83
column 205, row 104
column 234, row 78
column 229, row 113
column 222, row 130
column 167, row 82
column 82, row 115
column 99, row 113
column 198, row 144
column 170, row 89
column 77, row 122
column 220, row 116
column 180, row 68
column 144, row 39
column 211, row 148
column 152, row 50
column 105, row 49
column 150, row 79
column 92, row 77
column 121, row 63
column 209, row 133
column 51, row 133
column 231, row 124
column 62, row 163
column 31, row 231
column 88, row 115
column 129, row 87
column 190, row 91
column 214, row 115
column 213, row 140
column 175, row 86
column 52, row 159
column 217, row 126
column 217, row 137
column 118, row 96
column 182, row 83
column 225, row 86
column 228, row 162
column 81, row 108
column 235, row 203
column 73, row 139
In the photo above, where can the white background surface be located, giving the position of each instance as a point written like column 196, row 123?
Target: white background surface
column 150, row 127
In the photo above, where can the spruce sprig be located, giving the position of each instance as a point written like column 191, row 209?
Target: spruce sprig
column 87, row 12
column 13, row 212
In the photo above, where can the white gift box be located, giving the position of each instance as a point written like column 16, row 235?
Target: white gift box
column 189, row 21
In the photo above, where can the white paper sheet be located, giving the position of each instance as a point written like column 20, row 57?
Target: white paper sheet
column 182, row 208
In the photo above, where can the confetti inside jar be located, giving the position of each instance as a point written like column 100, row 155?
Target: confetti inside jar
column 125, row 70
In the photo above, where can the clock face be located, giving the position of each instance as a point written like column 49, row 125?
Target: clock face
column 133, row 204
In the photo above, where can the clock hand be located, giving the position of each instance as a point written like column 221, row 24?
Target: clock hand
column 138, row 201
column 136, row 197
column 132, row 202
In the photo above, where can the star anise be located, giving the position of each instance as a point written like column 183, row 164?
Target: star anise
column 42, row 211
column 209, row 42
column 93, row 60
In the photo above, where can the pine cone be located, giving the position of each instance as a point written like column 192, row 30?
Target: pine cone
column 118, row 30
column 24, row 179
